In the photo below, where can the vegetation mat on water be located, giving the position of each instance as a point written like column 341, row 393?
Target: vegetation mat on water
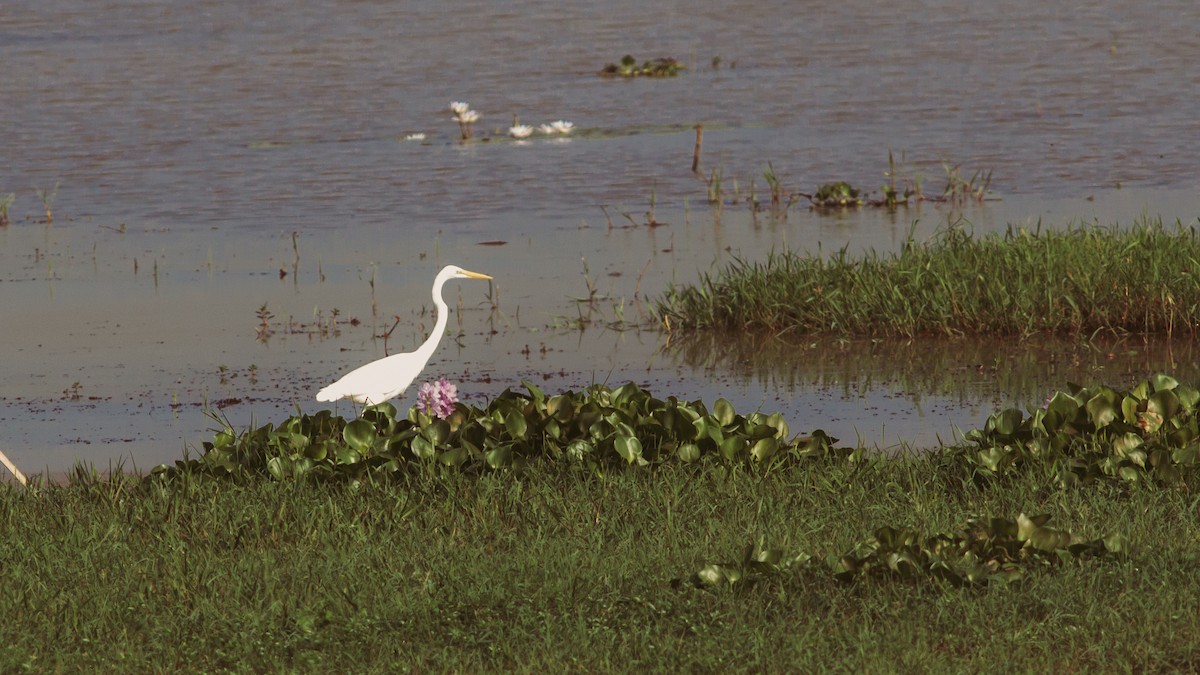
column 1143, row 279
column 1149, row 433
column 598, row 428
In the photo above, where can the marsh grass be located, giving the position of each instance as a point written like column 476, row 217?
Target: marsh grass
column 1081, row 280
column 557, row 568
column 6, row 202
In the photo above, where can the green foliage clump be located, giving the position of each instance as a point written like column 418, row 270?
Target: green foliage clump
column 629, row 67
column 835, row 195
column 1148, row 433
column 987, row 551
column 1144, row 279
column 597, row 427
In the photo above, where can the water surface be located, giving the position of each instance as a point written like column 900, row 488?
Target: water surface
column 199, row 146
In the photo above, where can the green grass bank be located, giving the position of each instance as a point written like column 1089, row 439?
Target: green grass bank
column 556, row 569
column 401, row 559
column 1139, row 279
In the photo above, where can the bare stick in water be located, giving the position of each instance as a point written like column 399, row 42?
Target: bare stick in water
column 13, row 469
column 696, row 152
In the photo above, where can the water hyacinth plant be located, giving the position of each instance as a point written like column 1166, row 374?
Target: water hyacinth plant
column 595, row 428
column 437, row 399
column 629, row 67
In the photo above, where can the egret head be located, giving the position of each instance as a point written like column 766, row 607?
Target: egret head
column 455, row 272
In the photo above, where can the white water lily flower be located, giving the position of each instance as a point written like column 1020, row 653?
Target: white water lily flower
column 467, row 117
column 419, row 136
column 546, row 129
column 562, row 126
column 520, row 131
column 459, row 107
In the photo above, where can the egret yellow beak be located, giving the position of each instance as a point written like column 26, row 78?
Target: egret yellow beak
column 475, row 275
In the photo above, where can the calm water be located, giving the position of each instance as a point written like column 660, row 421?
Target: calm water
column 191, row 140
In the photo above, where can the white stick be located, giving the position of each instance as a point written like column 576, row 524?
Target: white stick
column 13, row 468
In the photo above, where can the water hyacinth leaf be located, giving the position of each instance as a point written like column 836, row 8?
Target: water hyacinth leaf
column 1163, row 382
column 579, row 449
column 1101, row 410
column 764, row 448
column 499, row 458
column 1187, row 456
column 317, row 451
column 515, row 423
column 1115, row 543
column 724, row 413
column 1125, row 443
column 710, row 575
column 1025, row 526
column 436, row 432
column 709, row 427
column 629, row 448
column 1064, row 405
column 535, row 392
column 421, row 447
column 224, row 438
column 456, row 457
column 689, row 452
column 732, row 447
column 1006, row 422
column 1164, row 402
column 782, row 431
column 560, row 408
column 360, row 435
column 345, row 455
column 1130, row 409
column 1049, row 539
column 1188, row 397
column 279, row 467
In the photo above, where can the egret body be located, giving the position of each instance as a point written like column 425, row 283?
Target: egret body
column 388, row 377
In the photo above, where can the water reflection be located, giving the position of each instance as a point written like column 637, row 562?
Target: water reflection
column 997, row 371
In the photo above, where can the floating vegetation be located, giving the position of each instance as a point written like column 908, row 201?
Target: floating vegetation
column 1147, row 433
column 987, row 551
column 904, row 187
column 629, row 67
column 834, row 195
column 1143, row 279
column 597, row 427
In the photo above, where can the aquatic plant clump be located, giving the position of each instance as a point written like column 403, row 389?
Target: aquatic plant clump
column 595, row 428
column 1148, row 433
column 988, row 551
column 1144, row 279
column 629, row 67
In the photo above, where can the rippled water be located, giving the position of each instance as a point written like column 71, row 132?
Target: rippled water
column 191, row 140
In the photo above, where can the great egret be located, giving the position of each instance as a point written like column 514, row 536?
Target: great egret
column 388, row 377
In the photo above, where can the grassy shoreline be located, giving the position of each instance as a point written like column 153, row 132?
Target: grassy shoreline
column 555, row 569
column 1142, row 279
column 555, row 564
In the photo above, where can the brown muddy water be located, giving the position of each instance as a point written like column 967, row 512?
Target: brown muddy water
column 200, row 148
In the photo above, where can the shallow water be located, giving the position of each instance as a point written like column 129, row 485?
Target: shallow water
column 191, row 140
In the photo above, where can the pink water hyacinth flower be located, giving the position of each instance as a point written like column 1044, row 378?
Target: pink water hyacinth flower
column 437, row 398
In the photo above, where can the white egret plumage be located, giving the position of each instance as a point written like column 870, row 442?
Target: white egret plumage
column 388, row 377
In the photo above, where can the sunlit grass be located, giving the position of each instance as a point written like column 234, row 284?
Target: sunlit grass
column 558, row 568
column 1141, row 279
